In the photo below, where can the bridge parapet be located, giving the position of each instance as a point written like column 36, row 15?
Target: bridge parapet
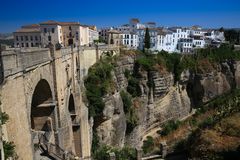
column 17, row 60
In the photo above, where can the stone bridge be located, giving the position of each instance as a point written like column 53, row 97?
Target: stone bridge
column 41, row 91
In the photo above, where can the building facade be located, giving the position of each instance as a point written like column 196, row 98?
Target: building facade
column 129, row 39
column 93, row 34
column 28, row 36
column 60, row 34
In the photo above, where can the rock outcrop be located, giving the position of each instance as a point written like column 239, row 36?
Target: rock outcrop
column 163, row 101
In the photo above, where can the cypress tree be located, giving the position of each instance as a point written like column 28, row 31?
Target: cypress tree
column 147, row 39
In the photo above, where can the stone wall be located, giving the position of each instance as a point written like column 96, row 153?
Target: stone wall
column 64, row 71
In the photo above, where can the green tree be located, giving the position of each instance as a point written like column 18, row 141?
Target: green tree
column 147, row 39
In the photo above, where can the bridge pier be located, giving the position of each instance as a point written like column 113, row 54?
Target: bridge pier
column 163, row 149
column 139, row 153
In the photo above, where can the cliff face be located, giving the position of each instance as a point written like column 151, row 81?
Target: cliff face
column 161, row 101
column 206, row 86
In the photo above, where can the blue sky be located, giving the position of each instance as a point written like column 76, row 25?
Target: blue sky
column 207, row 13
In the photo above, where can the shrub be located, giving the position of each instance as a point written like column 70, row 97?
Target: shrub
column 131, row 120
column 193, row 122
column 4, row 117
column 9, row 149
column 127, row 73
column 133, row 87
column 148, row 145
column 169, row 127
column 207, row 122
column 126, row 153
column 95, row 142
column 102, row 153
column 127, row 101
column 147, row 62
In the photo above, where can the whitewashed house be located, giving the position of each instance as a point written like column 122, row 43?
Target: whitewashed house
column 93, row 34
column 185, row 45
column 129, row 39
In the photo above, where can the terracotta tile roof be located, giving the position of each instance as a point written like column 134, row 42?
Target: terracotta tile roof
column 31, row 26
column 114, row 31
column 161, row 32
column 28, row 30
column 93, row 28
column 51, row 22
column 136, row 20
column 68, row 23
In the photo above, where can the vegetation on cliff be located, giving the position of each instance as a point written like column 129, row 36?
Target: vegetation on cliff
column 126, row 153
column 98, row 83
column 8, row 147
column 129, row 111
column 212, row 132
column 203, row 61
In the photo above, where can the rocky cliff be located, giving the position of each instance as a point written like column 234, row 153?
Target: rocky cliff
column 155, row 106
column 160, row 98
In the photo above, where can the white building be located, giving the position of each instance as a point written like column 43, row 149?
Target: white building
column 185, row 45
column 153, row 32
column 93, row 34
column 215, row 35
column 129, row 39
column 199, row 42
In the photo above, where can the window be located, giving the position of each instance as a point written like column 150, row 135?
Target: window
column 17, row 44
column 52, row 30
column 22, row 44
column 26, row 38
column 31, row 38
column 21, row 38
column 17, row 38
column 36, row 44
column 45, row 30
column 36, row 38
column 70, row 28
column 31, row 44
column 49, row 38
column 27, row 45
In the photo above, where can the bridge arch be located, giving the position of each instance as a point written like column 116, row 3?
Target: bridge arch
column 42, row 107
column 75, row 125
